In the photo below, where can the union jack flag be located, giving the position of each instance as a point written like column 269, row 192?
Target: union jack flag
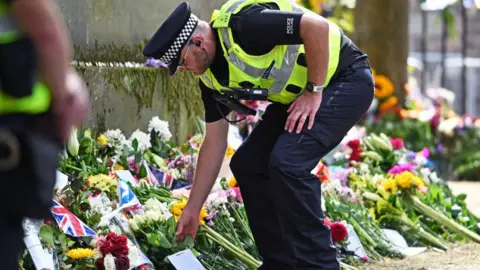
column 69, row 223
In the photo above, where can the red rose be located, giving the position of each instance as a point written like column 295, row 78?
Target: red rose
column 99, row 264
column 106, row 247
column 355, row 155
column 397, row 143
column 114, row 244
column 122, row 262
column 354, row 144
column 339, row 231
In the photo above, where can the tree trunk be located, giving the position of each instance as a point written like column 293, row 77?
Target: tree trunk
column 381, row 31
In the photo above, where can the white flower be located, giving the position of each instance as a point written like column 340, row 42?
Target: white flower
column 160, row 127
column 73, row 145
column 447, row 126
column 426, row 175
column 420, row 160
column 363, row 168
column 216, row 199
column 153, row 216
column 377, row 178
column 133, row 253
column 109, row 262
column 133, row 224
column 152, row 204
column 116, row 140
column 143, row 140
column 139, row 219
column 434, row 177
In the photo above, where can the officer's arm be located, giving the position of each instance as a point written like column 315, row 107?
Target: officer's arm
column 210, row 158
column 43, row 23
column 314, row 34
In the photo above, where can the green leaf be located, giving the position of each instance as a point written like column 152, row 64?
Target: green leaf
column 189, row 242
column 153, row 239
column 171, row 225
column 46, row 234
column 164, row 241
column 135, row 144
column 462, row 197
column 143, row 171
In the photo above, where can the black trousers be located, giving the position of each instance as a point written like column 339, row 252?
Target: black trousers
column 11, row 241
column 273, row 169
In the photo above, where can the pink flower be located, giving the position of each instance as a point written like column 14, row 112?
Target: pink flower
column 401, row 168
column 397, row 143
column 426, row 152
column 238, row 194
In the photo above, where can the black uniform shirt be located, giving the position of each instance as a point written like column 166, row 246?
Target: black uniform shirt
column 257, row 29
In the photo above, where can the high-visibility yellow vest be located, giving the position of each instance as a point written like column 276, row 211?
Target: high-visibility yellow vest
column 278, row 71
column 40, row 99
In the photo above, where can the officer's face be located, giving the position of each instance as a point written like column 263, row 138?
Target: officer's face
column 195, row 59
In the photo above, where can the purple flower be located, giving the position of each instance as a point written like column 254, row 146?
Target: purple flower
column 397, row 169
column 342, row 175
column 411, row 155
column 439, row 148
column 151, row 62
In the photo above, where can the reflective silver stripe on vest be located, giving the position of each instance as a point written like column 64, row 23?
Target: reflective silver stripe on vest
column 281, row 75
column 205, row 77
column 8, row 23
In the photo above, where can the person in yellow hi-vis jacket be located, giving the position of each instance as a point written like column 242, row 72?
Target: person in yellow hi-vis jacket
column 41, row 98
column 319, row 84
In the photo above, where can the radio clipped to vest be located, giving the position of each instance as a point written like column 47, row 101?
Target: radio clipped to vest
column 231, row 98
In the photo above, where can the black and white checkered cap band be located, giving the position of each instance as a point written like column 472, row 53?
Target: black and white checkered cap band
column 180, row 40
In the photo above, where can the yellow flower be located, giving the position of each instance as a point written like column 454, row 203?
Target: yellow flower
column 389, row 185
column 230, row 152
column 118, row 167
column 388, row 104
column 102, row 140
column 404, row 179
column 383, row 86
column 418, row 181
column 177, row 208
column 232, row 182
column 101, row 181
column 80, row 253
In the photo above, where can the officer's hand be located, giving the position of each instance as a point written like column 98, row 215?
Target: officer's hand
column 74, row 110
column 305, row 106
column 188, row 223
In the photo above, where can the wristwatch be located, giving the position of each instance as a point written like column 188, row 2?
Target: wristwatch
column 311, row 87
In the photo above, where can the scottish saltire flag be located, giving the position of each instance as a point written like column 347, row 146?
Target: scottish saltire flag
column 126, row 196
column 69, row 223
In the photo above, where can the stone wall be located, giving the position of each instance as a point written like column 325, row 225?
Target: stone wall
column 128, row 97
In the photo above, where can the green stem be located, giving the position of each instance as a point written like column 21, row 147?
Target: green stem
column 244, row 224
column 362, row 233
column 346, row 266
column 442, row 219
column 250, row 264
column 225, row 243
column 73, row 168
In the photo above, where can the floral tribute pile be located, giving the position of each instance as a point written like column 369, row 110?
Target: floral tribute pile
column 118, row 199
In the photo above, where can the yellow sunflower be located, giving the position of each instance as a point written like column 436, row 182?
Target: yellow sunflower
column 80, row 253
column 383, row 86
column 388, row 104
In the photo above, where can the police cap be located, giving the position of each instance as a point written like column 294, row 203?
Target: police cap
column 168, row 41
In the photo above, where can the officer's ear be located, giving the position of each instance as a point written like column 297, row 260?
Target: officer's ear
column 197, row 40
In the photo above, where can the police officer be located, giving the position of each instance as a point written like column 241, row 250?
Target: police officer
column 41, row 98
column 320, row 85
